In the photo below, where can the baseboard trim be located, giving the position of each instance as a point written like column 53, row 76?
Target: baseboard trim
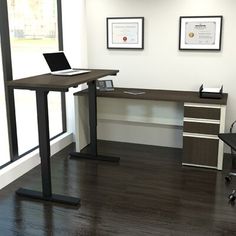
column 23, row 165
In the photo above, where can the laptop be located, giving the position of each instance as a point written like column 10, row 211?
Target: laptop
column 59, row 65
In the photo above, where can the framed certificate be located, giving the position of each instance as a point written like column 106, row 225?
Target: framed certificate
column 125, row 33
column 200, row 32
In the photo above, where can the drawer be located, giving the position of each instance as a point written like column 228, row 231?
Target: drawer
column 200, row 151
column 202, row 112
column 201, row 128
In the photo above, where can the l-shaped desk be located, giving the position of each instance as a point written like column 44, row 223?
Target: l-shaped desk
column 203, row 120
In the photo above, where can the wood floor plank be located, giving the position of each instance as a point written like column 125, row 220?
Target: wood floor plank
column 147, row 193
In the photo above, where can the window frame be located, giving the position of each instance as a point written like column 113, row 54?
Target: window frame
column 8, row 76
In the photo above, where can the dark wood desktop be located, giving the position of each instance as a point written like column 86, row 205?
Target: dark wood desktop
column 159, row 95
column 42, row 85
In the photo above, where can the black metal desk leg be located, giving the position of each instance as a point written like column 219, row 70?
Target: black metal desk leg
column 93, row 155
column 44, row 143
column 44, row 151
column 92, row 97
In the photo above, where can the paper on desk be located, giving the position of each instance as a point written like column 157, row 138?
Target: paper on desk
column 211, row 90
column 134, row 93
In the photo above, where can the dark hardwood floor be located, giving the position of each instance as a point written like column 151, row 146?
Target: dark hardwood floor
column 147, row 193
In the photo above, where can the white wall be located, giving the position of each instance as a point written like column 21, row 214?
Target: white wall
column 75, row 47
column 74, row 32
column 161, row 65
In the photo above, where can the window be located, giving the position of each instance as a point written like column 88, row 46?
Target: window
column 33, row 30
column 4, row 143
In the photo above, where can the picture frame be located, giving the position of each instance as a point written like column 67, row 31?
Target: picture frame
column 200, row 32
column 125, row 33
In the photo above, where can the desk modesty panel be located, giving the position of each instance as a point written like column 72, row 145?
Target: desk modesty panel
column 202, row 120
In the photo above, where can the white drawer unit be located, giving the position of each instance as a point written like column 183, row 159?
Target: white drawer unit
column 201, row 145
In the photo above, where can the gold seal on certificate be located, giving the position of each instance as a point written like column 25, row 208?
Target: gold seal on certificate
column 191, row 34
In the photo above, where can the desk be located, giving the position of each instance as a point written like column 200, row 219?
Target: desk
column 202, row 120
column 42, row 84
column 229, row 139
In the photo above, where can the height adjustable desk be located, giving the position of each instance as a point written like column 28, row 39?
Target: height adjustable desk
column 42, row 85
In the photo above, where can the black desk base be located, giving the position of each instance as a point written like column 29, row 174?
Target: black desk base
column 52, row 198
column 44, row 151
column 87, row 156
column 93, row 154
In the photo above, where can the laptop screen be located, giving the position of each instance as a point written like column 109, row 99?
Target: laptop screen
column 57, row 61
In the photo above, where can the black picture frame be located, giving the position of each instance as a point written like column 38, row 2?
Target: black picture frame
column 200, row 32
column 125, row 32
